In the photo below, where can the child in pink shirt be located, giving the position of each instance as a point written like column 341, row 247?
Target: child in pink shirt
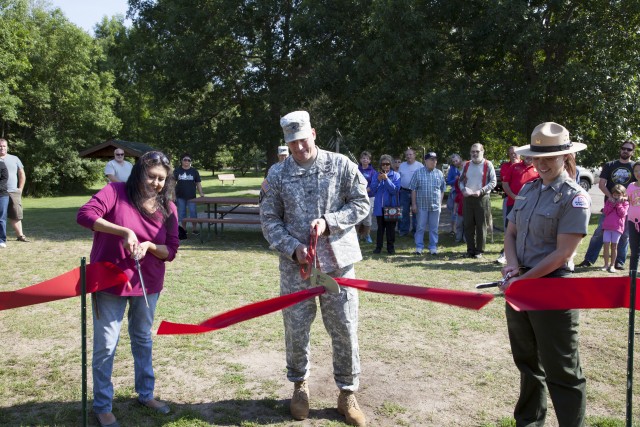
column 615, row 214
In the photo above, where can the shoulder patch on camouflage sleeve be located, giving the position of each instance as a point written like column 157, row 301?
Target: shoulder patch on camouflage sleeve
column 264, row 188
column 580, row 201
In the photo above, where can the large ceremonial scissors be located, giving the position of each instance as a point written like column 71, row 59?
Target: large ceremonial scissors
column 312, row 271
column 144, row 288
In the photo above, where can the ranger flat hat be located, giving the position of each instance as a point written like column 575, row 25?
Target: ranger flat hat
column 550, row 139
column 296, row 125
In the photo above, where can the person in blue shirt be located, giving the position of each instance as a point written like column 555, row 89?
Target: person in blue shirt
column 427, row 191
column 386, row 189
column 455, row 168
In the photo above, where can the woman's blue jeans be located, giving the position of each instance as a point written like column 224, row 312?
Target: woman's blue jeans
column 106, row 333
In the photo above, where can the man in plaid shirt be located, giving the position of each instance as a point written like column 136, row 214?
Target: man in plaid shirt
column 427, row 191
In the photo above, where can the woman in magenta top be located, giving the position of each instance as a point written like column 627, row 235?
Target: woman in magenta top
column 133, row 220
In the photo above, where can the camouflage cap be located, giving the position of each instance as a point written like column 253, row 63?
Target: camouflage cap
column 296, row 125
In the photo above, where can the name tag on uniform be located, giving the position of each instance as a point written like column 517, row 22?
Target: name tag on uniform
column 557, row 198
column 520, row 198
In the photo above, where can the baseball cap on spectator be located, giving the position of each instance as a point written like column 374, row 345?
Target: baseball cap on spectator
column 430, row 155
column 296, row 125
column 283, row 149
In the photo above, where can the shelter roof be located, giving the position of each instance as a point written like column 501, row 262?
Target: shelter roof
column 105, row 150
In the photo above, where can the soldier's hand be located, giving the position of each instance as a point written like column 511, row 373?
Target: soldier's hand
column 319, row 226
column 301, row 254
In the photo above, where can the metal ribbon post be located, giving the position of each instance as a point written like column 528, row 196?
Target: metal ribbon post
column 83, row 340
column 632, row 320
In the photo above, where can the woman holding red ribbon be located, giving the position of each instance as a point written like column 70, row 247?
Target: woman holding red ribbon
column 549, row 219
column 135, row 227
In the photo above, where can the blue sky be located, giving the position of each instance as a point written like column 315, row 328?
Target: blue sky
column 87, row 13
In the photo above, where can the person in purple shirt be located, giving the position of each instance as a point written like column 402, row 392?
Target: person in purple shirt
column 370, row 174
column 136, row 219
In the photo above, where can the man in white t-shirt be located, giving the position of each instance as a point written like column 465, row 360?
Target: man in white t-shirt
column 407, row 169
column 477, row 179
column 118, row 169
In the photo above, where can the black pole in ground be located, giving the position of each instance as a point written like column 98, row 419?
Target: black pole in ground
column 83, row 328
column 632, row 320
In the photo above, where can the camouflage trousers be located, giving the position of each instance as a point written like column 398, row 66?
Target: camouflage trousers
column 340, row 317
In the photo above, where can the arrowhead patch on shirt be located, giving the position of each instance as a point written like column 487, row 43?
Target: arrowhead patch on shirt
column 580, row 201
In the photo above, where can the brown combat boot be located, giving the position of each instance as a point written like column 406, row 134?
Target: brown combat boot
column 300, row 401
column 348, row 406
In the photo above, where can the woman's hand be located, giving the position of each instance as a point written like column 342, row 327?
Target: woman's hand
column 141, row 250
column 130, row 241
column 509, row 274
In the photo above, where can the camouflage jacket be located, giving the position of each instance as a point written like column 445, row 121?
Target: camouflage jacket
column 292, row 197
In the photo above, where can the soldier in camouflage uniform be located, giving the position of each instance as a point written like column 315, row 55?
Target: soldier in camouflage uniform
column 315, row 188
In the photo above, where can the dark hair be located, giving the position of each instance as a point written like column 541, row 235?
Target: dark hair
column 136, row 189
column 185, row 155
column 628, row 141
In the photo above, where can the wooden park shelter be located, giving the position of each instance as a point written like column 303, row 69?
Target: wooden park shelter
column 105, row 150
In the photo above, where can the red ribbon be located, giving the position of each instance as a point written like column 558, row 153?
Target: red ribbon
column 462, row 299
column 306, row 269
column 99, row 276
column 557, row 293
column 240, row 314
column 472, row 300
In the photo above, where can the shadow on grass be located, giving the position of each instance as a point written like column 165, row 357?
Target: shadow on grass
column 232, row 412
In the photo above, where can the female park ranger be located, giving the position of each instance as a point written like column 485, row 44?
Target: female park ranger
column 548, row 221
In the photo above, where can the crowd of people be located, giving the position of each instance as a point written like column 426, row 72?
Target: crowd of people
column 417, row 189
column 420, row 199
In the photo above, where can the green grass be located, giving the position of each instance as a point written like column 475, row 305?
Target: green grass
column 423, row 364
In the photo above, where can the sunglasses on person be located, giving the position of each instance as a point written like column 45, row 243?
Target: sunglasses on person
column 119, row 154
column 627, row 149
column 186, row 160
column 156, row 156
column 385, row 164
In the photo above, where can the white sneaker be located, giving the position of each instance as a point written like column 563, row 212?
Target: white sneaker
column 3, row 245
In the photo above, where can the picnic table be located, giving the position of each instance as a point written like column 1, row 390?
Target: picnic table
column 225, row 210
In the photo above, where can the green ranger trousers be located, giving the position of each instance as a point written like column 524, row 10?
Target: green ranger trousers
column 545, row 350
